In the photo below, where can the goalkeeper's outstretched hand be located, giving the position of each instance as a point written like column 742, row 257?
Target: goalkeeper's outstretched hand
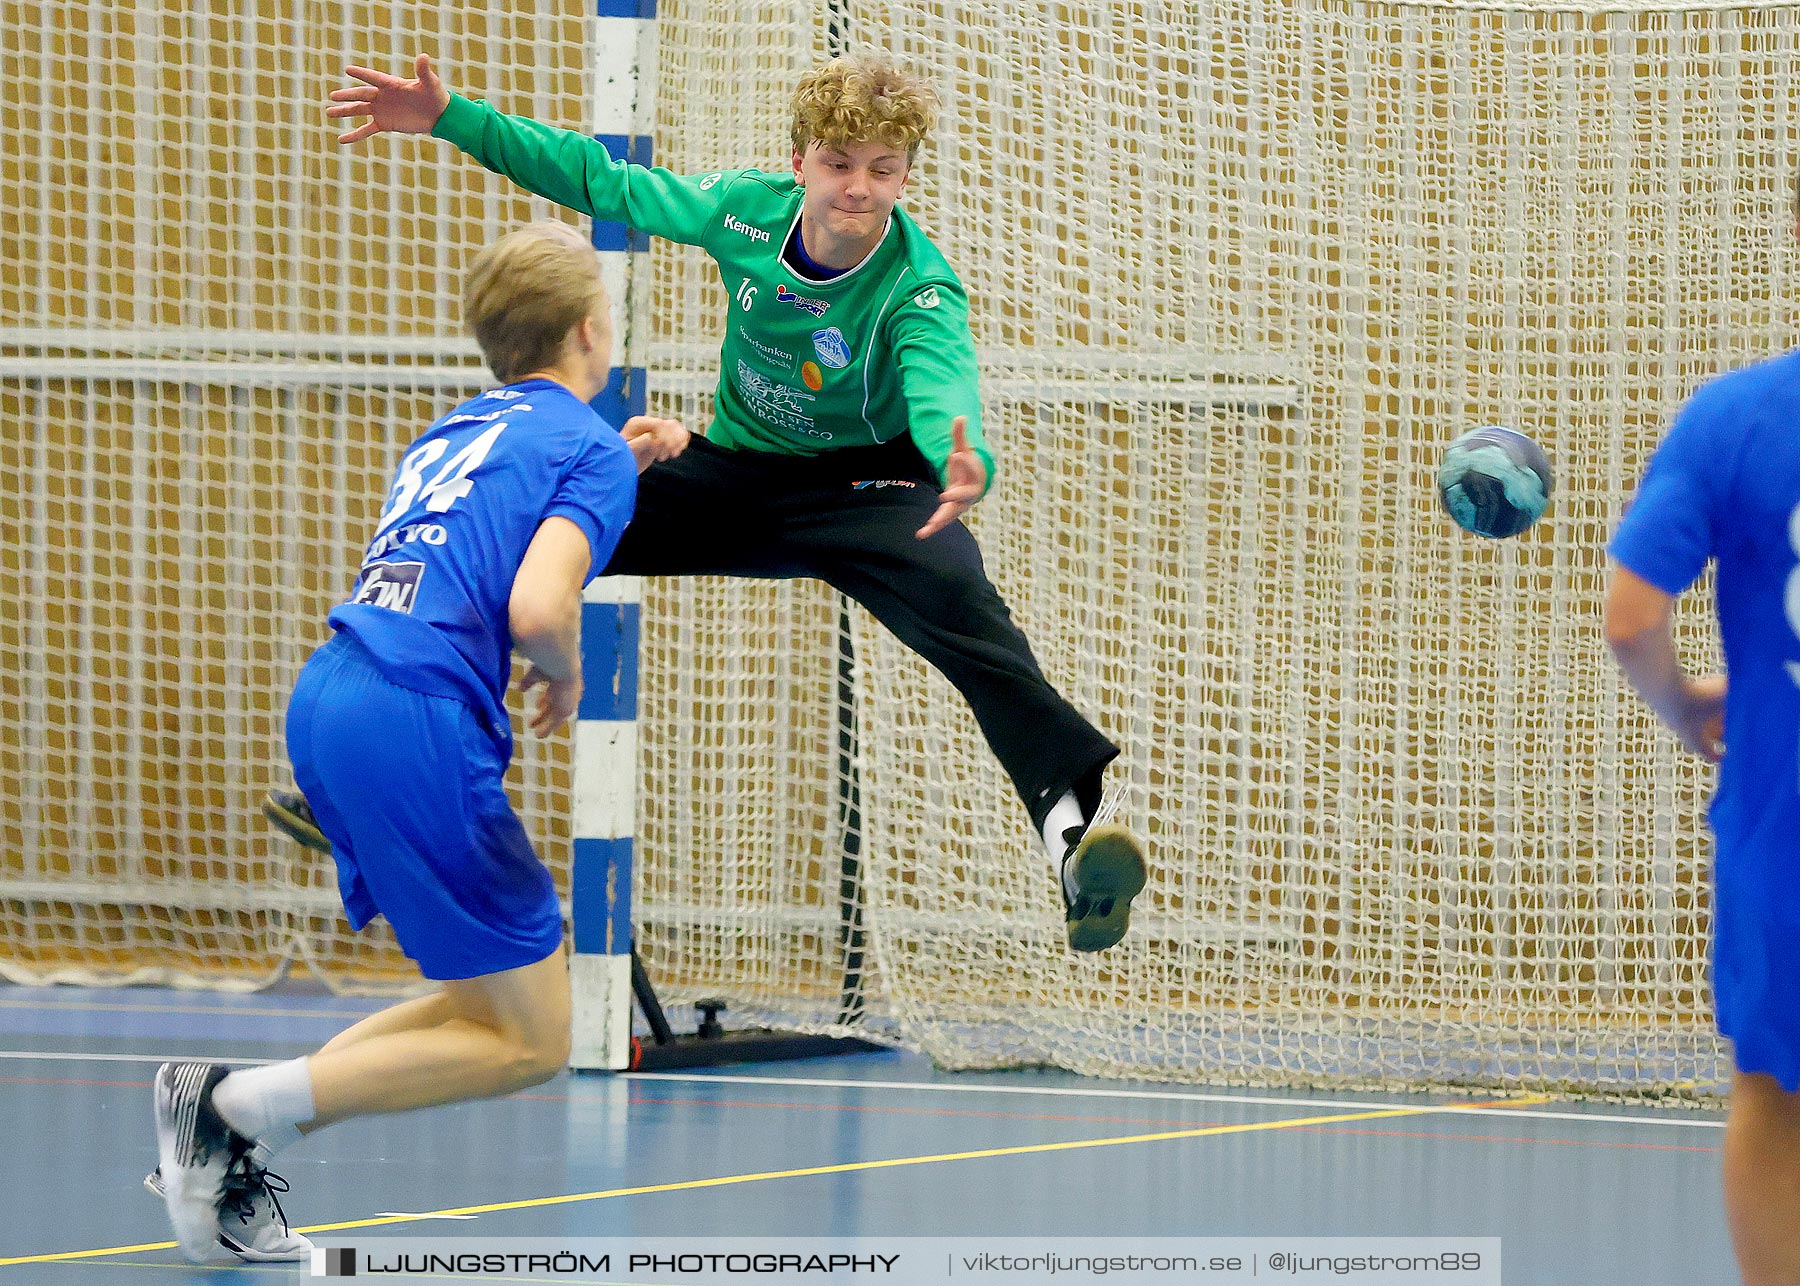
column 393, row 104
column 965, row 477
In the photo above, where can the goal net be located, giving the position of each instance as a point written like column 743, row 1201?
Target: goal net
column 1239, row 269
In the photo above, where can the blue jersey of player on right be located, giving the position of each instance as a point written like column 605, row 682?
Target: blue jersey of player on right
column 1724, row 485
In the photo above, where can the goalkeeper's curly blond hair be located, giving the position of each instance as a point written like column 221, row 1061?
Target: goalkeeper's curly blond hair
column 862, row 98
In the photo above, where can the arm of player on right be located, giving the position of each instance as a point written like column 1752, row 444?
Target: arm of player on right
column 1640, row 630
column 567, row 166
column 544, row 614
column 1659, row 549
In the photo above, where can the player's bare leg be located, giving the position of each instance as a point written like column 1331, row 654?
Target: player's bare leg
column 421, row 1011
column 501, row 1033
column 1762, row 1180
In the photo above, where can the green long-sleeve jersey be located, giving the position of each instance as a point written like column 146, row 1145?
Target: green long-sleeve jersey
column 807, row 366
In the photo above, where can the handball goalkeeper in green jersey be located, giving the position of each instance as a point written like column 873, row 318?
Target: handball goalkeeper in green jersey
column 847, row 441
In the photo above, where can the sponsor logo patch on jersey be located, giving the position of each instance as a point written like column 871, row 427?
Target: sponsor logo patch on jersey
column 831, row 346
column 779, row 358
column 777, row 403
column 709, row 180
column 813, row 377
column 927, row 298
column 816, row 307
column 394, row 586
column 491, row 415
column 879, row 483
column 737, row 225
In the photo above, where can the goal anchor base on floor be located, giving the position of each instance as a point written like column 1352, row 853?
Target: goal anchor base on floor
column 752, row 1045
column 710, row 1045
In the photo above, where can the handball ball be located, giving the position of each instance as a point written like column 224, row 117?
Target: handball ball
column 1494, row 482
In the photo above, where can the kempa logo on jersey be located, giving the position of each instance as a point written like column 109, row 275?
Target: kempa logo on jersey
column 816, row 307
column 394, row 586
column 927, row 298
column 709, row 180
column 831, row 346
column 734, row 224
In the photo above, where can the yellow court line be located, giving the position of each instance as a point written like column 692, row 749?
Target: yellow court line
column 847, row 1167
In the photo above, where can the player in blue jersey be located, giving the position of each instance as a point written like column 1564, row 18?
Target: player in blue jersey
column 1724, row 486
column 399, row 736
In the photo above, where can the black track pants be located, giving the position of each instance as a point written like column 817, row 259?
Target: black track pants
column 848, row 518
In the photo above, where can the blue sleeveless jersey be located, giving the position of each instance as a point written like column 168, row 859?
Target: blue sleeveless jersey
column 430, row 603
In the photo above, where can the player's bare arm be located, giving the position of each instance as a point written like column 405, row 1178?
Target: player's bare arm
column 1640, row 631
column 545, row 618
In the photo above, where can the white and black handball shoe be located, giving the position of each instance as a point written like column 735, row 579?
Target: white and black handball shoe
column 252, row 1224
column 1102, row 870
column 195, row 1149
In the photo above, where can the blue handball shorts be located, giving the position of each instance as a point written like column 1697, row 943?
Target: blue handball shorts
column 1756, row 967
column 408, row 789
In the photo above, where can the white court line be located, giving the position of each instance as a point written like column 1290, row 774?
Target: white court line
column 1176, row 1096
column 933, row 1087
column 211, row 1011
column 80, row 1057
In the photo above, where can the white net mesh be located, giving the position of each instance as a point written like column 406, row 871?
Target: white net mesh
column 1239, row 269
column 218, row 330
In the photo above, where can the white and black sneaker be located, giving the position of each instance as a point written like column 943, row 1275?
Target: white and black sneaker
column 195, row 1149
column 1102, row 870
column 252, row 1224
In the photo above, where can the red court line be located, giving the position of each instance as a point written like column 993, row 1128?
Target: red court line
column 1501, row 1138
column 1153, row 1122
column 1011, row 1116
column 916, row 1111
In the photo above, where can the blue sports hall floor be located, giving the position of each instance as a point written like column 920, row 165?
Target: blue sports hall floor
column 871, row 1146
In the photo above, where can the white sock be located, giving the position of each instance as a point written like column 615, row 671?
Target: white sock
column 268, row 1104
column 1063, row 814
